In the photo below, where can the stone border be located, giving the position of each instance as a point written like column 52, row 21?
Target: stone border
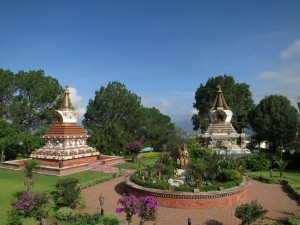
column 178, row 199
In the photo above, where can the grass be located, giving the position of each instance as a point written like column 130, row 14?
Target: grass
column 291, row 179
column 292, row 175
column 11, row 182
column 147, row 159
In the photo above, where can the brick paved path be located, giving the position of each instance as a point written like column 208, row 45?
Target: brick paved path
column 272, row 196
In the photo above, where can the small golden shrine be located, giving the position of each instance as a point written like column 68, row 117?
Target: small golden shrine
column 184, row 156
column 65, row 142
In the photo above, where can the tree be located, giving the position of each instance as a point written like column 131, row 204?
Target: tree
column 281, row 166
column 116, row 109
column 113, row 104
column 155, row 127
column 7, row 89
column 109, row 139
column 15, row 144
column 134, row 148
column 29, row 180
column 237, row 95
column 34, row 101
column 274, row 120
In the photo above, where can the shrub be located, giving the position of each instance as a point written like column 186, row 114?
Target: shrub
column 147, row 208
column 249, row 213
column 109, row 220
column 67, row 193
column 32, row 205
column 87, row 219
column 257, row 162
column 228, row 175
column 164, row 185
column 67, row 214
column 294, row 220
column 128, row 205
column 13, row 218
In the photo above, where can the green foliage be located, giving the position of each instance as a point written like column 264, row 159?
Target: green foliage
column 249, row 213
column 67, row 193
column 281, row 166
column 206, row 167
column 156, row 128
column 34, row 101
column 114, row 109
column 274, row 120
column 238, row 164
column 293, row 220
column 13, row 218
column 228, row 175
column 7, row 89
column 30, row 166
column 67, row 214
column 238, row 96
column 135, row 178
column 116, row 117
column 108, row 219
column 88, row 219
column 257, row 162
column 214, row 186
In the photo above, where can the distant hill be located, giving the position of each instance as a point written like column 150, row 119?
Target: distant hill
column 186, row 125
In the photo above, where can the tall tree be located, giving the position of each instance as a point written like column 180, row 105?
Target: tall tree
column 156, row 128
column 237, row 95
column 274, row 120
column 7, row 89
column 113, row 108
column 34, row 101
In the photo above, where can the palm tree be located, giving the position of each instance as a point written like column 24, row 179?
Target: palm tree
column 281, row 165
column 30, row 166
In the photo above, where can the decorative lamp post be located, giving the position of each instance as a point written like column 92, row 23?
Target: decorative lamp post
column 59, row 162
column 101, row 200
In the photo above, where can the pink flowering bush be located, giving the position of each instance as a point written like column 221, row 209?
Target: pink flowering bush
column 32, row 205
column 129, row 203
column 147, row 208
column 144, row 207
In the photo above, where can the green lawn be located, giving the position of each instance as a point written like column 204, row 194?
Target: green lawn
column 11, row 182
column 292, row 175
column 147, row 159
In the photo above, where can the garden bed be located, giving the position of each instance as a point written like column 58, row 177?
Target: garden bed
column 178, row 199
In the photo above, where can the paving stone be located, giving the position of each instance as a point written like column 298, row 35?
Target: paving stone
column 273, row 197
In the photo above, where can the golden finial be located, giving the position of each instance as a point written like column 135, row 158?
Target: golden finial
column 67, row 101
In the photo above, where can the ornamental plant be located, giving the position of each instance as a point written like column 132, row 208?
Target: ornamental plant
column 32, row 205
column 67, row 193
column 129, row 206
column 147, row 209
column 144, row 207
column 249, row 213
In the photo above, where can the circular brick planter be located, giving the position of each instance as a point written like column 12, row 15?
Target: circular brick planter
column 177, row 199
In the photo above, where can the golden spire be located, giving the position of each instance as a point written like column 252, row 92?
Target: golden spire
column 66, row 100
column 220, row 102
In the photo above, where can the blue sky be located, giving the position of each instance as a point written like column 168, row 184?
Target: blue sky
column 161, row 50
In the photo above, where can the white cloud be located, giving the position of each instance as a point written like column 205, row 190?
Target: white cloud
column 146, row 101
column 166, row 105
column 292, row 51
column 284, row 80
column 193, row 111
column 77, row 102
